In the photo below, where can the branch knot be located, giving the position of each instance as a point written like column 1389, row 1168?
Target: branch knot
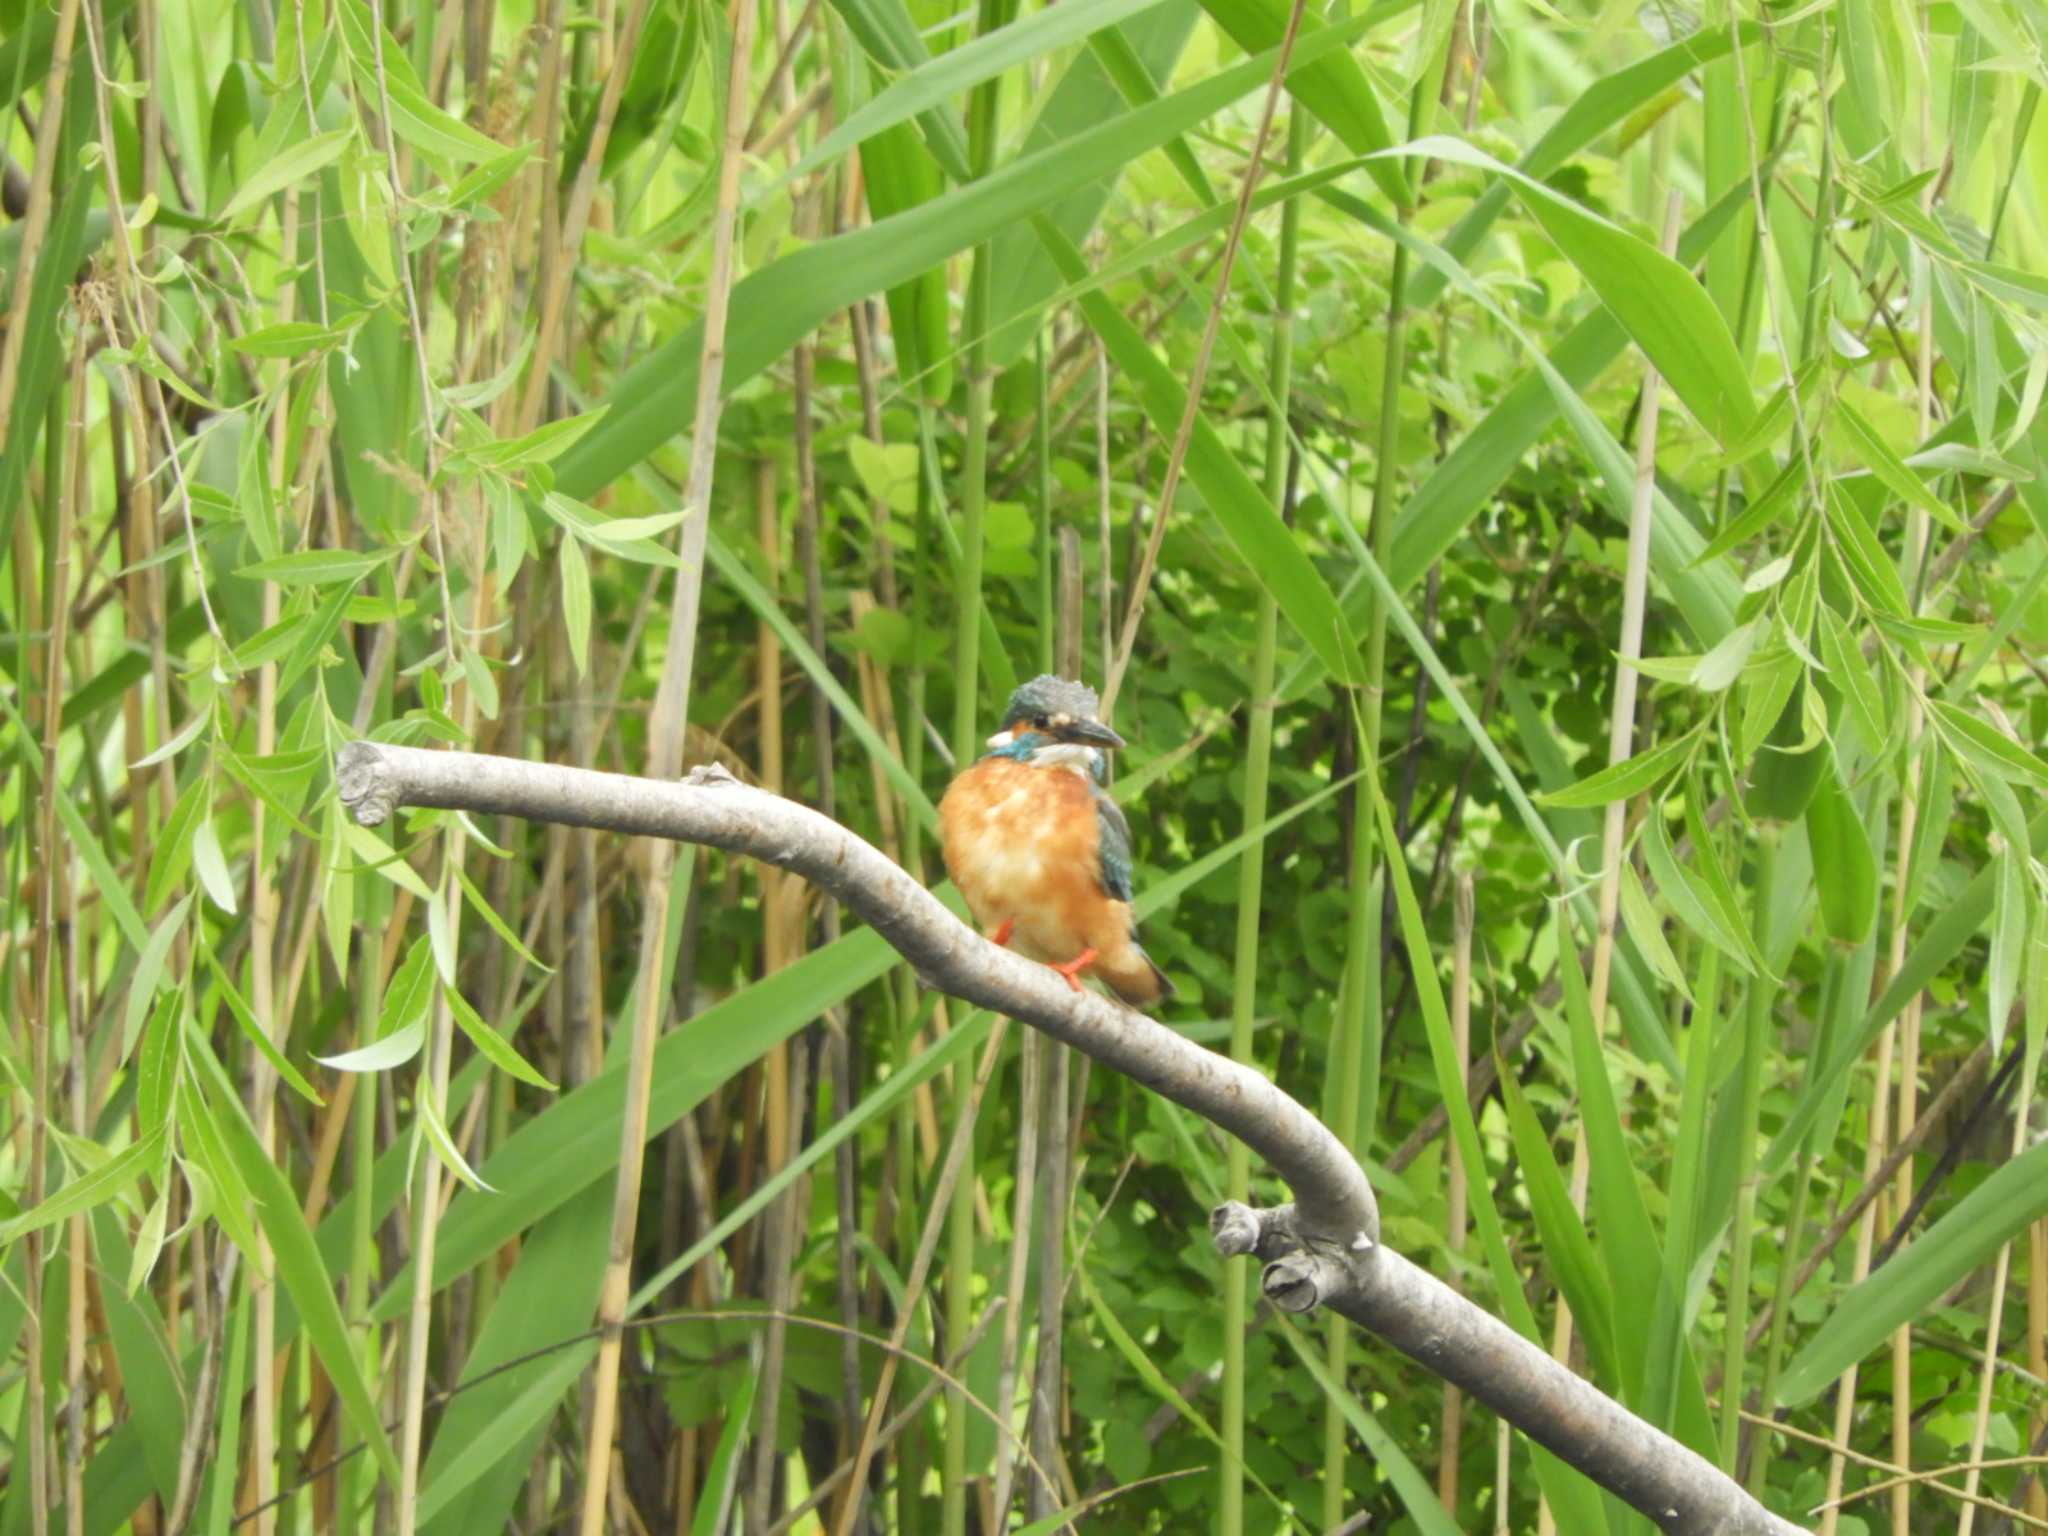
column 367, row 788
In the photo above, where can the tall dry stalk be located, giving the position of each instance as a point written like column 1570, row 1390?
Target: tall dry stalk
column 665, row 761
column 1620, row 747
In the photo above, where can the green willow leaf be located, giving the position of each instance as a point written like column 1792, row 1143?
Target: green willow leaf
column 1630, row 776
column 499, row 1051
column 1844, row 868
column 1458, row 488
column 81, row 1194
column 1852, row 432
column 1988, row 747
column 318, row 567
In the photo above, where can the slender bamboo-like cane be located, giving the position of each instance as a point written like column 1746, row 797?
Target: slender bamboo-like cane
column 1918, row 529
column 1251, row 869
column 37, row 1048
column 1461, row 1036
column 1620, row 746
column 665, row 754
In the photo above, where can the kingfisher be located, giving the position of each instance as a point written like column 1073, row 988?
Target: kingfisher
column 1041, row 852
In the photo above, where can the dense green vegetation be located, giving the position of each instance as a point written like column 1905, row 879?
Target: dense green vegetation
column 347, row 388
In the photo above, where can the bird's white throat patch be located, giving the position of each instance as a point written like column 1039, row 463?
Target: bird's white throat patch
column 1073, row 756
column 1076, row 757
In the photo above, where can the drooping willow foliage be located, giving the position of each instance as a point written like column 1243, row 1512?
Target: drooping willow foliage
column 1554, row 493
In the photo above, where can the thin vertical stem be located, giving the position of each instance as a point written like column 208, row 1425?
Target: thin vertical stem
column 1620, row 742
column 360, row 1479
column 1244, row 988
column 665, row 761
column 71, row 498
column 778, row 949
column 983, row 112
column 1461, row 1038
column 2037, row 1351
column 1461, row 1035
column 1041, row 455
column 35, row 226
column 1874, row 1143
column 1918, row 529
column 1981, row 1424
column 1356, row 1048
column 1756, row 1022
column 1141, row 582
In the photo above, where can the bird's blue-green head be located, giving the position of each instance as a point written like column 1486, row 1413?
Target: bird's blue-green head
column 1052, row 722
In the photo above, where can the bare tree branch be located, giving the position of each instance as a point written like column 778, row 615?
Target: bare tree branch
column 1322, row 1250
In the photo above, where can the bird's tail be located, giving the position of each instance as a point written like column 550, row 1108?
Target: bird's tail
column 1139, row 981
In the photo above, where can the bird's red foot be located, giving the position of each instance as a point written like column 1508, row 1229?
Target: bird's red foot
column 1073, row 968
column 1001, row 937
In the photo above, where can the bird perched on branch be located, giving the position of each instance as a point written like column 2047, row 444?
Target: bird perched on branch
column 1041, row 853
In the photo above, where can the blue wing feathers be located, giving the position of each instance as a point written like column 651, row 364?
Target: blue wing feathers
column 1113, row 850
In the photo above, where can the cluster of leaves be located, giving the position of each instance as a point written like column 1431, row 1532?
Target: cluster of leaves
column 363, row 422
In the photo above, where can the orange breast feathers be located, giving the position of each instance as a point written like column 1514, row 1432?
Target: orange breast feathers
column 1023, row 846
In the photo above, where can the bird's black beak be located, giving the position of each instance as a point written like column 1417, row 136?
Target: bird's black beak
column 1093, row 733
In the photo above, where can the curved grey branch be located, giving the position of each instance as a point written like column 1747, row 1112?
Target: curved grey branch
column 1322, row 1250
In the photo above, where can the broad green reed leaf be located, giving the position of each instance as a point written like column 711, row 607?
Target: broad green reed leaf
column 1433, row 518
column 1124, row 68
column 955, row 1045
column 887, row 34
column 1668, row 314
column 527, row 1353
column 1334, row 88
column 150, row 1381
column 1601, row 106
column 297, row 1258
column 1567, row 1251
column 1656, row 1368
column 1576, row 1500
column 1987, row 1218
column 952, row 73
column 777, row 307
column 561, row 1151
column 900, row 176
column 463, row 1454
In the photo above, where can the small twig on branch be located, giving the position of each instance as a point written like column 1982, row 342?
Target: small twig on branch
column 1322, row 1250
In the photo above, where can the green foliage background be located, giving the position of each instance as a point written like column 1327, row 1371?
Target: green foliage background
column 346, row 390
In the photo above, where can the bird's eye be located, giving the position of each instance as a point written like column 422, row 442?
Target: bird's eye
column 1042, row 723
